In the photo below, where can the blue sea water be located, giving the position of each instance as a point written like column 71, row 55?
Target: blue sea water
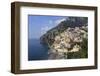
column 36, row 51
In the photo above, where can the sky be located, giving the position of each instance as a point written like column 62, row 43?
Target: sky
column 40, row 24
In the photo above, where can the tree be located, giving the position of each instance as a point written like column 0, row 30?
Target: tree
column 83, row 53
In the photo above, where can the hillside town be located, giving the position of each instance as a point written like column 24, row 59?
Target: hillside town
column 68, row 41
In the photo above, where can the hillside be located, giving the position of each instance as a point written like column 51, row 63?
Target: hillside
column 68, row 39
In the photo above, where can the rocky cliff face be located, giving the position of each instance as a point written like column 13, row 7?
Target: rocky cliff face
column 67, row 39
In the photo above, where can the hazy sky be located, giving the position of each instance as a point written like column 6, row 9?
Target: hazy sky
column 39, row 24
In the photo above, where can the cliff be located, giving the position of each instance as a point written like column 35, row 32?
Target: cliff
column 67, row 39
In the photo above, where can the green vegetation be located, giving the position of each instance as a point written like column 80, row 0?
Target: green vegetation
column 83, row 53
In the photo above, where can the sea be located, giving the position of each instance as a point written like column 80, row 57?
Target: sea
column 36, row 50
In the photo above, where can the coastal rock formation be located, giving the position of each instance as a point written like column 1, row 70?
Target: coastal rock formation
column 67, row 39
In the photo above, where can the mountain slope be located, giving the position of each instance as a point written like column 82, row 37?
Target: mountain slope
column 66, row 39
